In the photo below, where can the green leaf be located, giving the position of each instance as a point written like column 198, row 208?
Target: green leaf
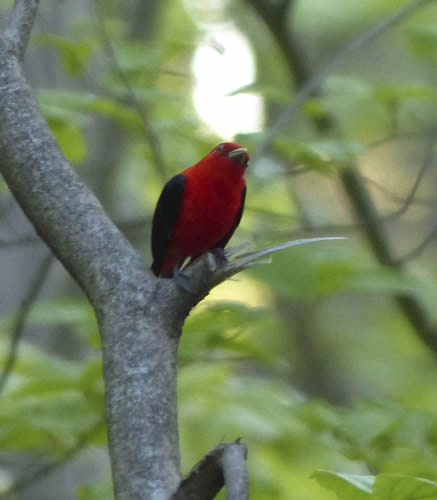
column 33, row 361
column 73, row 103
column 346, row 486
column 423, row 41
column 74, row 55
column 363, row 425
column 397, row 93
column 76, row 313
column 347, row 275
column 348, row 85
column 321, row 155
column 220, row 330
column 400, row 487
column 95, row 492
column 269, row 91
column 65, row 126
column 70, row 139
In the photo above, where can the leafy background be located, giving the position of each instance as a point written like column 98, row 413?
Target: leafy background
column 308, row 359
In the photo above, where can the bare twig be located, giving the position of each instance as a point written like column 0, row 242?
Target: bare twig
column 224, row 465
column 22, row 316
column 30, row 479
column 149, row 132
column 428, row 158
column 276, row 15
column 420, row 248
column 23, row 241
column 422, row 202
column 314, row 83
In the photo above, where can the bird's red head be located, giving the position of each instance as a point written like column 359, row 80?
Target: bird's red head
column 230, row 153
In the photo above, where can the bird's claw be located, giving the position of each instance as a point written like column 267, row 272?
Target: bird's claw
column 182, row 280
column 219, row 258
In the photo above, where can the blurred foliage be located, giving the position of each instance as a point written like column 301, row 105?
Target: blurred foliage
column 307, row 359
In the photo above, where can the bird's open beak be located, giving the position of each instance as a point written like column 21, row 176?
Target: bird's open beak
column 239, row 154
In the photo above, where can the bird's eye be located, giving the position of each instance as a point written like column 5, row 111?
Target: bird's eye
column 220, row 147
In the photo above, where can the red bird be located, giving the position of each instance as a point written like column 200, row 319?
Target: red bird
column 199, row 209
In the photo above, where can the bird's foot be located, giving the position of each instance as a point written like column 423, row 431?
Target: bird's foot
column 182, row 280
column 218, row 258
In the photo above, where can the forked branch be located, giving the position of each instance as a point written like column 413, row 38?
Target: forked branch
column 20, row 26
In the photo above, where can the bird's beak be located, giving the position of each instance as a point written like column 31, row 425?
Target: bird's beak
column 239, row 154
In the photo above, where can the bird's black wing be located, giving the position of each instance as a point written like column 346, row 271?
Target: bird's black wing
column 164, row 219
column 224, row 241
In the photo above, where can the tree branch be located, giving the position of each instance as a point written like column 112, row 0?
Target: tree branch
column 28, row 480
column 420, row 247
column 313, row 84
column 149, row 133
column 224, row 465
column 20, row 26
column 22, row 316
column 360, row 199
column 233, row 462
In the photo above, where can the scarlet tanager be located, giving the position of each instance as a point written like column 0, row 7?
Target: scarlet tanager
column 199, row 209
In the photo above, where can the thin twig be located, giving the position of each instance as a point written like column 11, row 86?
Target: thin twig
column 419, row 249
column 341, row 56
column 20, row 25
column 29, row 480
column 22, row 316
column 428, row 158
column 422, row 202
column 149, row 133
column 24, row 240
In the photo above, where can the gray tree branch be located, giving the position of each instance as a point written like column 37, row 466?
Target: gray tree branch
column 20, row 26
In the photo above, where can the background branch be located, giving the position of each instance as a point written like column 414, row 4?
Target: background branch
column 29, row 480
column 359, row 197
column 313, row 83
column 22, row 316
column 149, row 133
